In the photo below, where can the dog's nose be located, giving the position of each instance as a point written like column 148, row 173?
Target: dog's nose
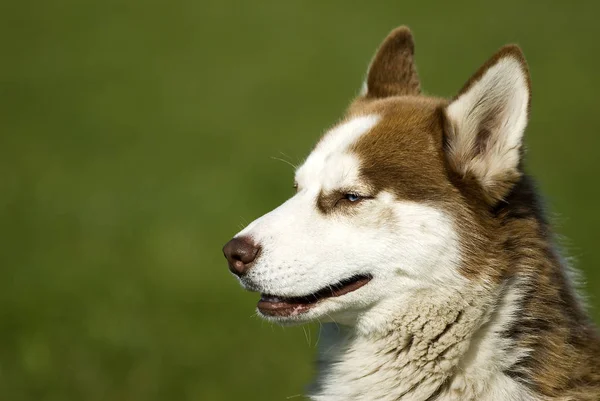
column 240, row 252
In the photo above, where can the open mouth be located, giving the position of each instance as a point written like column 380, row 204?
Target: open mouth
column 272, row 305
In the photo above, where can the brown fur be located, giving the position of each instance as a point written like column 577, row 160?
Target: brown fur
column 506, row 242
column 394, row 72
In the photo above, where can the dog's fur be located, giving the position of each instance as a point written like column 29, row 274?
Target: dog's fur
column 469, row 298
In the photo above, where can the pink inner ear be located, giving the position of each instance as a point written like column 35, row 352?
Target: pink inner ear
column 488, row 120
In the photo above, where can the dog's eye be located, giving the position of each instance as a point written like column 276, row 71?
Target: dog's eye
column 352, row 197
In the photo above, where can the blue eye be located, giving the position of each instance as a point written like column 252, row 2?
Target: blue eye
column 352, row 197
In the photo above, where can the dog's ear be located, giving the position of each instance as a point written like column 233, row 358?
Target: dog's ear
column 486, row 121
column 392, row 71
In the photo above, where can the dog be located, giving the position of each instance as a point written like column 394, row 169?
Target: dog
column 419, row 240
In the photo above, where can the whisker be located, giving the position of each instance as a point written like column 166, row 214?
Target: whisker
column 285, row 161
column 243, row 224
column 333, row 320
column 306, row 336
column 320, row 329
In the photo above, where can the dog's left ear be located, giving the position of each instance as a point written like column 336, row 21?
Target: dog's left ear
column 392, row 71
column 486, row 122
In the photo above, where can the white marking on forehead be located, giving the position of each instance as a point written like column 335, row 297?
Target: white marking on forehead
column 329, row 165
column 339, row 138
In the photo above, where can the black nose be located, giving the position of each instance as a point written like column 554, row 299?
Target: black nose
column 240, row 252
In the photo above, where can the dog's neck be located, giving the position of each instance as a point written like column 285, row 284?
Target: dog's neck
column 525, row 338
column 438, row 347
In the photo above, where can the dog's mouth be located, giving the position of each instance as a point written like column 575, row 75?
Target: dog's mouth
column 272, row 305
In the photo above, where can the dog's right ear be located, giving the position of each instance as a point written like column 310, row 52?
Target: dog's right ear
column 392, row 71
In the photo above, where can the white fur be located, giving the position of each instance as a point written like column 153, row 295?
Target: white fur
column 427, row 341
column 501, row 98
column 410, row 328
column 329, row 163
column 404, row 246
column 364, row 88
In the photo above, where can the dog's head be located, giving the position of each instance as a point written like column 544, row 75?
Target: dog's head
column 393, row 199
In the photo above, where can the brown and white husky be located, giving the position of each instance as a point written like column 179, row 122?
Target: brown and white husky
column 416, row 234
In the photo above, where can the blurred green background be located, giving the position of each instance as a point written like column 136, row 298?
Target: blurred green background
column 136, row 137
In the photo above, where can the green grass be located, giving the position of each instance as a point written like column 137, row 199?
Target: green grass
column 137, row 136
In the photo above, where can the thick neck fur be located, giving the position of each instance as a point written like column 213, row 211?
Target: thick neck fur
column 563, row 362
column 525, row 337
column 445, row 347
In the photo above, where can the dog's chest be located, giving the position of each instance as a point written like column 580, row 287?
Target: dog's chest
column 367, row 377
column 410, row 366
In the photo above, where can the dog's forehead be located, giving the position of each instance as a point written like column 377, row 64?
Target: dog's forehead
column 403, row 154
column 374, row 134
column 331, row 163
column 407, row 125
